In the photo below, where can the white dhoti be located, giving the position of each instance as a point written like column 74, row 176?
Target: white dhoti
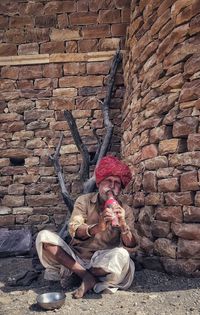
column 116, row 262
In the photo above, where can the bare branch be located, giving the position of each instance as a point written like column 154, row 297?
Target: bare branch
column 55, row 159
column 84, row 172
column 89, row 186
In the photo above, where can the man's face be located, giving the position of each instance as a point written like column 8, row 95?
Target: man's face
column 110, row 183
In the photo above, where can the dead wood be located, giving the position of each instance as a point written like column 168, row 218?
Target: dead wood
column 88, row 183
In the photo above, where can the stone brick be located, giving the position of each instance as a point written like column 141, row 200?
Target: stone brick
column 159, row 133
column 3, row 22
column 160, row 228
column 36, row 125
column 7, row 220
column 187, row 13
column 52, row 71
column 149, row 182
column 109, row 16
column 28, row 49
column 15, row 153
column 35, row 35
column 97, row 31
column 188, row 249
column 20, row 105
column 192, row 65
column 59, row 7
column 87, row 103
column 155, row 163
column 42, row 200
column 52, row 47
column 35, row 143
column 13, row 201
column 16, row 189
column 4, row 162
column 66, row 92
column 170, row 214
column 45, row 21
column 63, row 35
column 154, row 199
column 20, row 21
column 165, row 247
column 171, row 146
column 167, row 185
column 8, row 49
column 98, row 67
column 149, row 151
column 161, row 104
column 194, row 24
column 33, row 115
column 15, row 36
column 71, row 46
column 88, row 45
column 193, row 142
column 138, row 200
column 189, row 181
column 178, row 199
column 83, row 18
column 30, row 72
column 185, row 126
column 62, row 103
column 165, row 172
column 197, row 199
column 5, row 210
column 82, row 6
column 191, row 214
column 109, row 43
column 25, row 85
column 186, row 231
column 82, row 81
column 187, row 158
column 74, row 68
column 190, row 46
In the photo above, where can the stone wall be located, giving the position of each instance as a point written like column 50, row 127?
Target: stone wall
column 54, row 55
column 161, row 128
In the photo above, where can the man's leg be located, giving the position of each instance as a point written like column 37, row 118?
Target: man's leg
column 88, row 280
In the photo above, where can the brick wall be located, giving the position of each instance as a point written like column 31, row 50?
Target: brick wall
column 161, row 138
column 46, row 68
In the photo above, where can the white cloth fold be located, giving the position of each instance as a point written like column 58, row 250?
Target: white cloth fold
column 116, row 262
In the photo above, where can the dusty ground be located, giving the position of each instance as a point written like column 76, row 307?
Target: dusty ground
column 152, row 293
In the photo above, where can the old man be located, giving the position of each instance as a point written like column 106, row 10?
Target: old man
column 98, row 252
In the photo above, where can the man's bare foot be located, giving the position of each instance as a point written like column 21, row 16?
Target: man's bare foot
column 88, row 283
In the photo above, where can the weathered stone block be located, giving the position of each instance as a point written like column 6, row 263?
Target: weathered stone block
column 52, row 71
column 186, row 231
column 171, row 146
column 197, row 199
column 155, row 163
column 188, row 158
column 154, row 199
column 75, row 68
column 88, row 45
column 78, row 82
column 188, row 249
column 8, row 49
column 165, row 247
column 109, row 16
column 97, row 31
column 189, row 181
column 52, row 47
column 193, row 142
column 185, row 126
column 149, row 182
column 167, row 185
column 63, row 35
column 41, row 200
column 160, row 228
column 28, row 49
column 178, row 199
column 191, row 214
column 13, row 201
column 16, row 189
column 83, row 18
column 170, row 214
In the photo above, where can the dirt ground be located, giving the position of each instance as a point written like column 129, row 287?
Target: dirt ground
column 152, row 293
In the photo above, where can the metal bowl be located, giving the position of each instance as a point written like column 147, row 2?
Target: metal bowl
column 51, row 300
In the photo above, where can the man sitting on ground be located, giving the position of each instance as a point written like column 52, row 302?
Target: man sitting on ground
column 98, row 252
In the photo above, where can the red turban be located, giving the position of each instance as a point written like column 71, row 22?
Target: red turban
column 111, row 166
